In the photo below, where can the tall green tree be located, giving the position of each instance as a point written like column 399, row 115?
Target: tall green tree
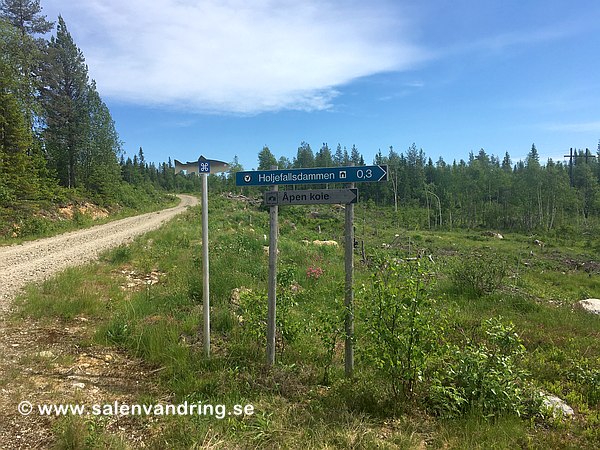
column 356, row 158
column 266, row 159
column 323, row 158
column 98, row 159
column 25, row 15
column 63, row 96
column 305, row 156
column 338, row 157
column 22, row 169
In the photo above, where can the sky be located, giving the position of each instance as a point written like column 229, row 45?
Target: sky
column 223, row 78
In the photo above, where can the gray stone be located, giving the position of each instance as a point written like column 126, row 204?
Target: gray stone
column 591, row 304
column 558, row 407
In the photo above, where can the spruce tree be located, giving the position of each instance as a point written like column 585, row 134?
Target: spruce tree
column 266, row 159
column 63, row 96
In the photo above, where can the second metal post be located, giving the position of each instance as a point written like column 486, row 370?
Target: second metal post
column 205, row 277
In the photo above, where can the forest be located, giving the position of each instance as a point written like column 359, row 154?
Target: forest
column 482, row 192
column 58, row 141
column 59, row 144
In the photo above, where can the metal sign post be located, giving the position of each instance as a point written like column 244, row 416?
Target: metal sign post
column 204, row 170
column 204, row 167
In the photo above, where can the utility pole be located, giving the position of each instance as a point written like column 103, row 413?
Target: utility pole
column 573, row 155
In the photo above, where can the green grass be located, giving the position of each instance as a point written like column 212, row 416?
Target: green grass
column 162, row 324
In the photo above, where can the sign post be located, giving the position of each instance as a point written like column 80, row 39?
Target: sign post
column 204, row 170
column 349, row 290
column 323, row 175
column 203, row 167
column 272, row 287
column 311, row 197
column 274, row 198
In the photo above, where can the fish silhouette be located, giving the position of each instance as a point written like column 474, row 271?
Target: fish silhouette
column 194, row 166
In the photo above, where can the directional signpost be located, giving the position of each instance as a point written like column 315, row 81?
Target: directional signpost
column 311, row 197
column 352, row 174
column 204, row 167
column 274, row 198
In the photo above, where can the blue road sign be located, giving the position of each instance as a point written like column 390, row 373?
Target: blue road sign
column 352, row 174
column 203, row 165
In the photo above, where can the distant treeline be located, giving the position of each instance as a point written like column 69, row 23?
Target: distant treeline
column 482, row 192
column 57, row 137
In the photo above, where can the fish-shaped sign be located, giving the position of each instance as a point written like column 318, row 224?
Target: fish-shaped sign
column 203, row 165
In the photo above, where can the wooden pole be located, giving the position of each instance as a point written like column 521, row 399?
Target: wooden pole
column 272, row 287
column 349, row 291
column 205, row 268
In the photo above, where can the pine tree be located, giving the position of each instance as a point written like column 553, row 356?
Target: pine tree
column 25, row 15
column 63, row 97
column 284, row 163
column 338, row 158
column 266, row 159
column 305, row 156
column 507, row 163
column 98, row 162
column 323, row 157
column 22, row 169
column 533, row 157
column 356, row 157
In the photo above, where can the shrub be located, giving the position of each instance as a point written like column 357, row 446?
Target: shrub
column 479, row 274
column 254, row 309
column 329, row 326
column 400, row 323
column 484, row 376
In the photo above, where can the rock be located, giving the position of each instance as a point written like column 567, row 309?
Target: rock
column 79, row 385
column 46, row 354
column 493, row 234
column 325, row 243
column 591, row 305
column 557, row 406
column 236, row 295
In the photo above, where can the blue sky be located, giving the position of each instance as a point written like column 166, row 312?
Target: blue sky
column 226, row 77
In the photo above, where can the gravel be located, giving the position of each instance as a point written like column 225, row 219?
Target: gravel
column 37, row 260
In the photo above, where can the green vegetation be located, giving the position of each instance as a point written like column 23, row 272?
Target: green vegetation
column 59, row 146
column 58, row 142
column 457, row 332
column 437, row 360
column 483, row 192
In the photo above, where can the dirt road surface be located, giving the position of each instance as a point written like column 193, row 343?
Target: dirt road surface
column 42, row 362
column 37, row 260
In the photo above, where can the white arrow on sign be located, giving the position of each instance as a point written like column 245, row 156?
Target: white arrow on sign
column 311, row 197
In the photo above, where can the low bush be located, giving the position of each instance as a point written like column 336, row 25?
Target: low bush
column 478, row 274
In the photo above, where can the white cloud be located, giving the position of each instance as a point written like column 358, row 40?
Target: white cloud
column 237, row 56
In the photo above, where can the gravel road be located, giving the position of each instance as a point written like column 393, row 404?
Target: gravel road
column 37, row 260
